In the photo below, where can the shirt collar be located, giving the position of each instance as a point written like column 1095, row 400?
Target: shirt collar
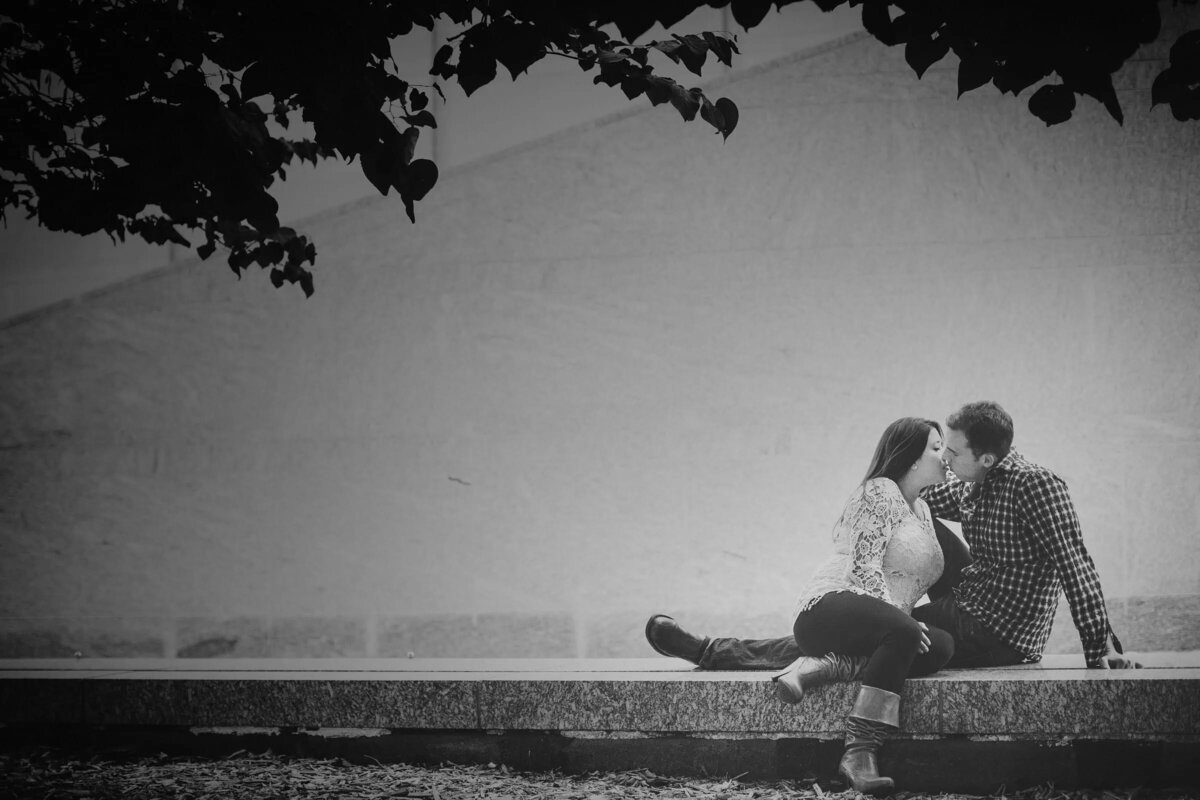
column 1007, row 464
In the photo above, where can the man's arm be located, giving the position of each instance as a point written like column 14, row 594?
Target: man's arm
column 942, row 499
column 1051, row 519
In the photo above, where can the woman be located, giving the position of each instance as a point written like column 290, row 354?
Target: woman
column 859, row 603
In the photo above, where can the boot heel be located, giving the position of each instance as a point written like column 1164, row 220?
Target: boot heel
column 788, row 687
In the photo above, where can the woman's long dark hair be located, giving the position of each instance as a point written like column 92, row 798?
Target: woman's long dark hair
column 900, row 446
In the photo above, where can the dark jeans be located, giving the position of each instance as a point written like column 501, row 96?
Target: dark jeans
column 856, row 625
column 974, row 646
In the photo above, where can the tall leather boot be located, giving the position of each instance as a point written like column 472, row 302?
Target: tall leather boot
column 875, row 717
column 810, row 672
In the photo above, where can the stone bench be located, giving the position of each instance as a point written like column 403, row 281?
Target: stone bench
column 961, row 730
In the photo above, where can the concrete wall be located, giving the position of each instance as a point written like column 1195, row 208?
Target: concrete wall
column 623, row 370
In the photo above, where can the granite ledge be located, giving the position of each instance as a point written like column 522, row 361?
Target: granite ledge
column 662, row 696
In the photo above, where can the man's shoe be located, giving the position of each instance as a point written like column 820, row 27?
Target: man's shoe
column 667, row 638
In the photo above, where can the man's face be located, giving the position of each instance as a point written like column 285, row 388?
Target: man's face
column 961, row 459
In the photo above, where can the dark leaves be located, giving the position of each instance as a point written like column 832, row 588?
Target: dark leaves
column 686, row 102
column 517, row 46
column 413, row 182
column 729, row 116
column 1052, row 103
column 749, row 13
column 421, row 118
column 169, row 104
column 476, row 63
column 422, row 175
column 441, row 62
column 877, row 21
column 1178, row 86
column 974, row 70
column 924, row 51
column 691, row 51
column 722, row 115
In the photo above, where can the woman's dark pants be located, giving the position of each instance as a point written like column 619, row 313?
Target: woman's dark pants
column 857, row 625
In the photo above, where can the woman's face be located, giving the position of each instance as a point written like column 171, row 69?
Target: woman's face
column 930, row 468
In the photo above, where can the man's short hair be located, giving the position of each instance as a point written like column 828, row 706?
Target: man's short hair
column 987, row 426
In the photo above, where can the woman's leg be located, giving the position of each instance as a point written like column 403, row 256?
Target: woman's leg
column 857, row 625
column 852, row 624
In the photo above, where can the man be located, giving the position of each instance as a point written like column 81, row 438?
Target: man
column 998, row 602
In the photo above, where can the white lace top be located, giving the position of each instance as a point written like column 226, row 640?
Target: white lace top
column 881, row 549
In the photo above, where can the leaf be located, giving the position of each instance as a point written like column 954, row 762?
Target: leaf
column 382, row 161
column 974, row 70
column 476, row 64
column 306, row 282
column 1018, row 74
column 258, row 80
column 749, row 13
column 239, row 259
column 878, row 21
column 633, row 85
column 519, row 45
column 1185, row 53
column 408, row 142
column 686, row 102
column 922, row 52
column 395, row 87
column 424, row 118
column 1101, row 88
column 658, row 89
column 729, row 113
column 710, row 114
column 1052, row 103
column 417, row 99
column 413, row 182
column 1186, row 106
column 441, row 62
column 693, row 53
column 722, row 48
column 422, row 175
column 1164, row 89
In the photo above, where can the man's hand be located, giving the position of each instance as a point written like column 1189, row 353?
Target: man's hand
column 1116, row 662
column 1121, row 662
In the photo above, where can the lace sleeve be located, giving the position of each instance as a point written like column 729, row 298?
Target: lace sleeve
column 871, row 523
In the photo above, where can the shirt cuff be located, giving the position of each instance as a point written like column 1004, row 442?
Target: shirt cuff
column 1093, row 653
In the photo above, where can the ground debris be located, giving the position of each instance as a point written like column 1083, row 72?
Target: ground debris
column 46, row 775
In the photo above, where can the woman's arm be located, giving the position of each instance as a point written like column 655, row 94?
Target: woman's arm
column 871, row 523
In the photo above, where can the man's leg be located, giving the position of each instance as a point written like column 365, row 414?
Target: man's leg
column 974, row 645
column 725, row 653
column 736, row 654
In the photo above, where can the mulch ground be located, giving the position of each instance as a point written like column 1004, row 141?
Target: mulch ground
column 243, row 776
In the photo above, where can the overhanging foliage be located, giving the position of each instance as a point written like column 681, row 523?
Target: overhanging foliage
column 153, row 118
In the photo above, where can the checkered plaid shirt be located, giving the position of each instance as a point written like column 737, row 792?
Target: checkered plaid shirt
column 1027, row 547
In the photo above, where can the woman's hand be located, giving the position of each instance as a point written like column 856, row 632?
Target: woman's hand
column 923, row 647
